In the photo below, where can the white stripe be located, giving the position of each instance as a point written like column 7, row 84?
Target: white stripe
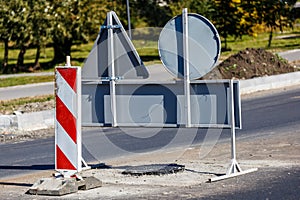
column 78, row 121
column 66, row 94
column 66, row 144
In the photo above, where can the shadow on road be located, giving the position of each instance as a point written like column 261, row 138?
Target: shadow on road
column 16, row 184
column 31, row 167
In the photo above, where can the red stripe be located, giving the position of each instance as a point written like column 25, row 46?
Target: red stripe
column 66, row 119
column 69, row 74
column 62, row 162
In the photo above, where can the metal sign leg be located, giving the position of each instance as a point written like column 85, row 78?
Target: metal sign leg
column 234, row 168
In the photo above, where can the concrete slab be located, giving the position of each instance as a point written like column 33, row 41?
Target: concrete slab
column 35, row 120
column 62, row 186
column 53, row 187
column 7, row 121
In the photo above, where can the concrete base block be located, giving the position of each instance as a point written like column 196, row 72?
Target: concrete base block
column 63, row 186
column 89, row 183
column 35, row 120
column 53, row 187
column 7, row 121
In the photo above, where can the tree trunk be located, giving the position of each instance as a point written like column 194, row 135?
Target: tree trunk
column 5, row 59
column 20, row 62
column 62, row 48
column 270, row 38
column 37, row 57
column 225, row 41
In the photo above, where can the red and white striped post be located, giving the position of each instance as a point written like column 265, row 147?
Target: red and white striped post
column 68, row 120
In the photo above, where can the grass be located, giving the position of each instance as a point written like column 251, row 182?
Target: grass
column 280, row 42
column 46, row 55
column 13, row 81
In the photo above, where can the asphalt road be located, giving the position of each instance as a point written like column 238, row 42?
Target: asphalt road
column 260, row 114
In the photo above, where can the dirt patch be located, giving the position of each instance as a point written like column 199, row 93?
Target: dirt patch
column 13, row 135
column 251, row 63
column 25, row 108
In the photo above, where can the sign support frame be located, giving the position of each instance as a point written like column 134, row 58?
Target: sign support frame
column 234, row 169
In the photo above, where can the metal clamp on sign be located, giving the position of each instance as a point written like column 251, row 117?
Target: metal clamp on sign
column 111, row 26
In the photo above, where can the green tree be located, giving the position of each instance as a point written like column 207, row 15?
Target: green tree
column 22, row 39
column 143, row 13
column 152, row 12
column 5, row 30
column 248, row 16
column 39, row 23
column 226, row 15
column 275, row 14
column 194, row 6
column 73, row 21
column 203, row 7
column 13, row 26
column 176, row 6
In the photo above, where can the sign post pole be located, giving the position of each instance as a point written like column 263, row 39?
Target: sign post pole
column 111, row 61
column 186, row 67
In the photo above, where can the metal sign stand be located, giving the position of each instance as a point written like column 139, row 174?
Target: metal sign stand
column 116, row 67
column 234, row 168
column 84, row 165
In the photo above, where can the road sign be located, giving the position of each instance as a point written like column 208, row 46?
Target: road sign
column 113, row 55
column 68, row 120
column 68, row 149
column 160, row 104
column 111, row 98
column 204, row 46
column 189, row 47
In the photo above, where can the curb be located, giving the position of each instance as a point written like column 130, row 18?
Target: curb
column 45, row 119
column 269, row 82
column 28, row 121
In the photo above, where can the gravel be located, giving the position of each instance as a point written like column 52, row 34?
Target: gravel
column 13, row 135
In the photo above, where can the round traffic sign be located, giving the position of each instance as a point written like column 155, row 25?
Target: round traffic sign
column 204, row 46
